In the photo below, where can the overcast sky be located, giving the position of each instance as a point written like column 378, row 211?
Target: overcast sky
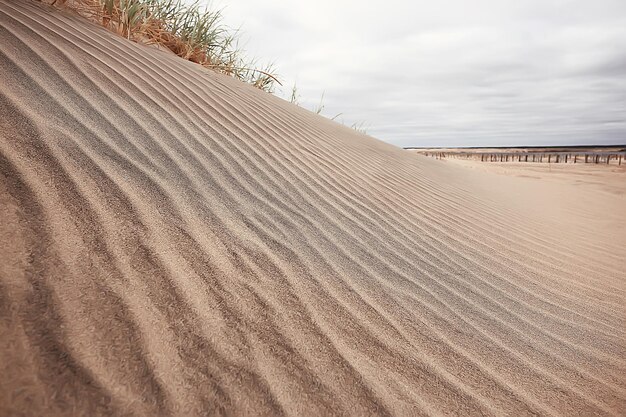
column 451, row 72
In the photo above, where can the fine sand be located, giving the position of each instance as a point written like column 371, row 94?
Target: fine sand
column 610, row 178
column 174, row 242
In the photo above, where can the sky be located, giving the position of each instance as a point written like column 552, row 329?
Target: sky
column 450, row 72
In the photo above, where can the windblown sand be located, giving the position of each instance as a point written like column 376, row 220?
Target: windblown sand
column 174, row 242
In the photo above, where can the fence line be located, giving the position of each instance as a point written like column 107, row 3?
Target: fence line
column 549, row 157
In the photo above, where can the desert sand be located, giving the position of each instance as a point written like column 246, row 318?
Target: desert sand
column 175, row 242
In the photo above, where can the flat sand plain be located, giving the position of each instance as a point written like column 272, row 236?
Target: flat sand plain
column 610, row 178
column 174, row 242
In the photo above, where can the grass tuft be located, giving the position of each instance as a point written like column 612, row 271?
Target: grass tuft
column 189, row 30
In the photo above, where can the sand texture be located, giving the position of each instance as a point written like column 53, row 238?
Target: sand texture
column 174, row 242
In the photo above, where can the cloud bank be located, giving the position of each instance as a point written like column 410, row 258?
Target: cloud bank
column 451, row 72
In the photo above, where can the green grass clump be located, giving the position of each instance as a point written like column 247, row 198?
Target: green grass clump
column 190, row 30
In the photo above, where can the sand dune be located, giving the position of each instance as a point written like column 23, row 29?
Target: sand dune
column 174, row 242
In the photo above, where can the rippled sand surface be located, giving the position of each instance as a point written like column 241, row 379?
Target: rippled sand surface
column 173, row 242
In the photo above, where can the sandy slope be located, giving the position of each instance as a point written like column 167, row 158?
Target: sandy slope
column 174, row 242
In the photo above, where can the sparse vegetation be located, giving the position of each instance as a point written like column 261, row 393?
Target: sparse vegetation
column 295, row 99
column 318, row 109
column 189, row 30
column 359, row 127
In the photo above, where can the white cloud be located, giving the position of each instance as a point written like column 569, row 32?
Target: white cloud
column 452, row 72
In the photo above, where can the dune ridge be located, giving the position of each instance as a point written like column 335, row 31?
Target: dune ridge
column 175, row 242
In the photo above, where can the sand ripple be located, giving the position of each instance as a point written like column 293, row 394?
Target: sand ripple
column 174, row 242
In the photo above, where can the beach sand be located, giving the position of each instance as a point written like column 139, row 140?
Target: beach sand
column 175, row 242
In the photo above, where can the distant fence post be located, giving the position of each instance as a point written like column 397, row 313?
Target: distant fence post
column 600, row 156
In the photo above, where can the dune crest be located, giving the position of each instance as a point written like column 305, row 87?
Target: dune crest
column 175, row 242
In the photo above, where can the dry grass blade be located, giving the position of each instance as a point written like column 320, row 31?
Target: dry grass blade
column 189, row 30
